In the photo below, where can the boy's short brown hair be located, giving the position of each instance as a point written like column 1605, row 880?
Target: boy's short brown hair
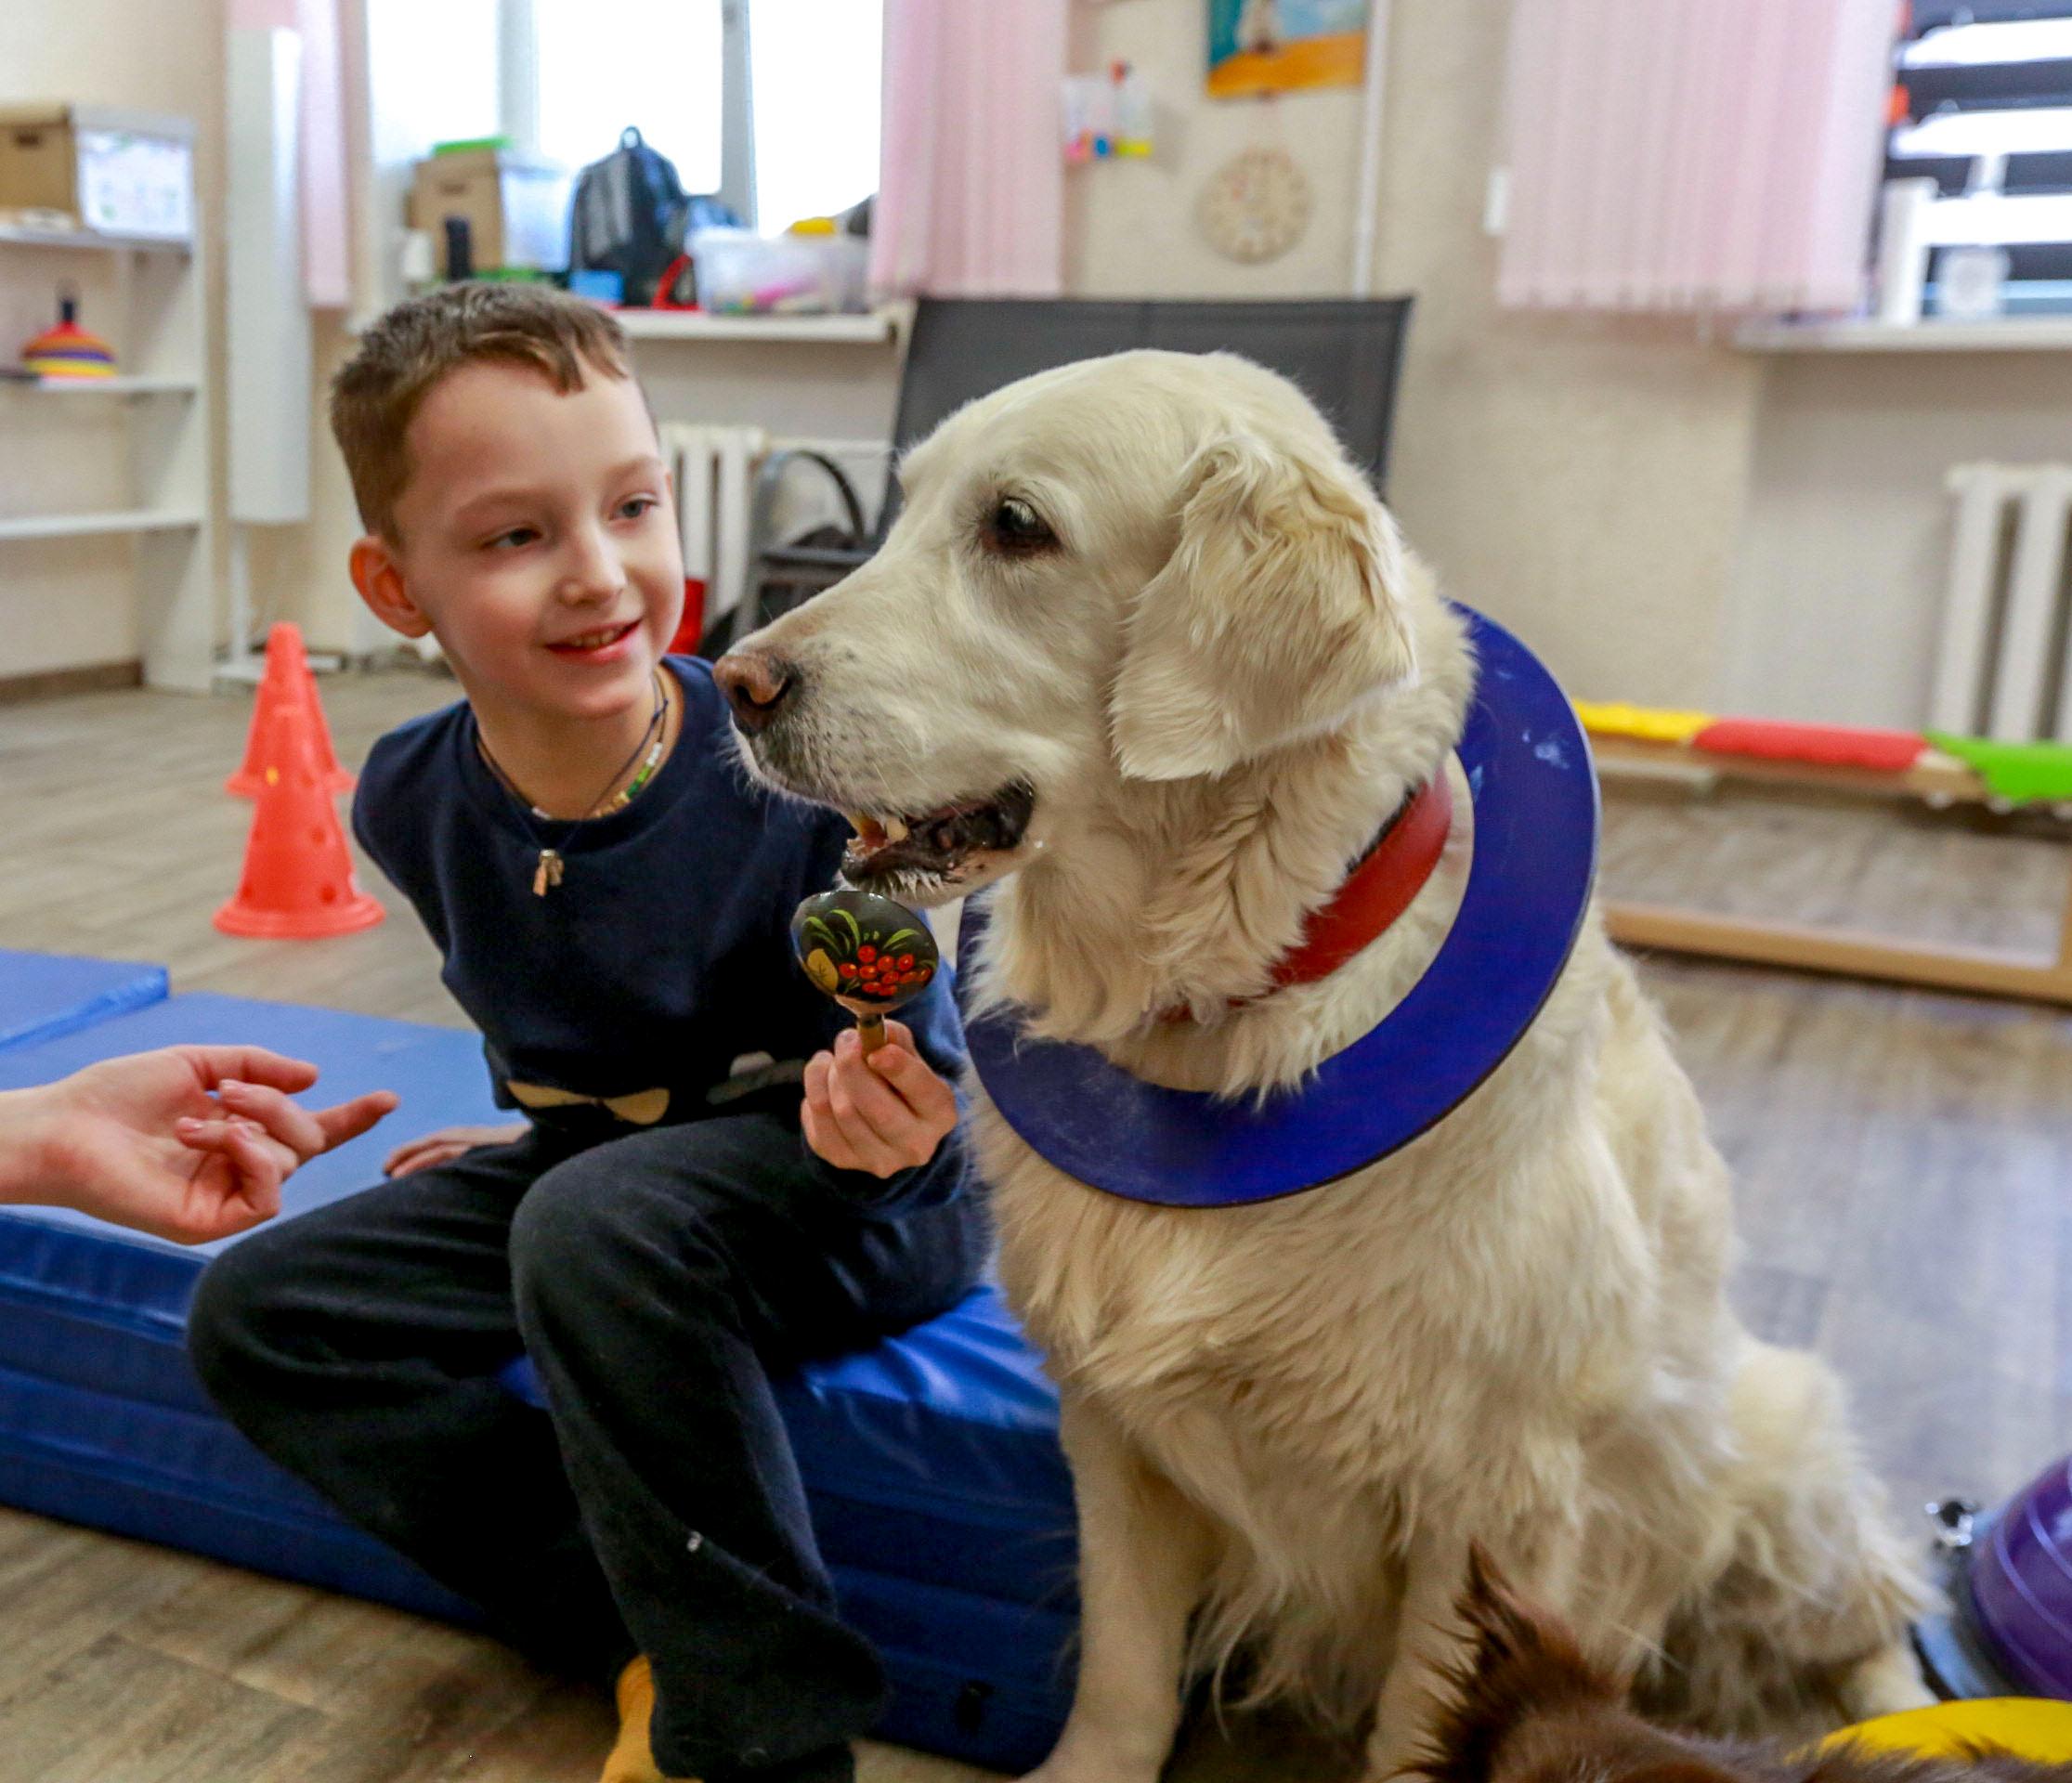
column 377, row 391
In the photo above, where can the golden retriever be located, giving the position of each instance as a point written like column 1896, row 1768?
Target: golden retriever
column 1143, row 639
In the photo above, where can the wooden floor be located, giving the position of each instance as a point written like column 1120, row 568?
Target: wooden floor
column 1903, row 1163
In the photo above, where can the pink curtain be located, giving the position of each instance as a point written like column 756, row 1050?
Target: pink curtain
column 971, row 191
column 1694, row 155
column 326, row 270
column 326, row 228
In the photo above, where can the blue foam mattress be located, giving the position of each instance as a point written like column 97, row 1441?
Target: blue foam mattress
column 939, row 1494
column 43, row 996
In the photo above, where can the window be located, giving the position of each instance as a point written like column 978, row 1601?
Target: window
column 601, row 65
column 817, row 91
column 1982, row 108
column 772, row 104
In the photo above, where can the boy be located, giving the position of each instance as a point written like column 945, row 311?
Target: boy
column 611, row 897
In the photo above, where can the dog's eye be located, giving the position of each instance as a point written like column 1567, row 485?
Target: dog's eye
column 1017, row 529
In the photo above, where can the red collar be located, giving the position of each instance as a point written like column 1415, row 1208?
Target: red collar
column 1375, row 892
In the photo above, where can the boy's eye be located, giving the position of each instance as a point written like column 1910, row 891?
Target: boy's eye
column 514, row 538
column 635, row 505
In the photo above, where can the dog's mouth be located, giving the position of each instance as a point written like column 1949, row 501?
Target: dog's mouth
column 939, row 853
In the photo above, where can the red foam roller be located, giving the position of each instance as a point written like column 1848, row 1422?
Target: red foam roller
column 1842, row 746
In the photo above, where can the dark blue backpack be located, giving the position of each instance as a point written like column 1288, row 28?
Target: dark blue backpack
column 629, row 215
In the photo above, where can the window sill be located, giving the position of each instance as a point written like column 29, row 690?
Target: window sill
column 876, row 328
column 2023, row 334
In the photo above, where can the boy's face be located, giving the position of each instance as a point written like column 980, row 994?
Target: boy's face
column 537, row 541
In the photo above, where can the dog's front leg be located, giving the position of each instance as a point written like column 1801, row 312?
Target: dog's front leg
column 1428, row 1639
column 1143, row 1555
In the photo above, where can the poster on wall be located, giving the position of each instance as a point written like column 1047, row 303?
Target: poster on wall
column 1282, row 45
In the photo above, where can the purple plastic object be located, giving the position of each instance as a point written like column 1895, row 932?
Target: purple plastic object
column 2020, row 1583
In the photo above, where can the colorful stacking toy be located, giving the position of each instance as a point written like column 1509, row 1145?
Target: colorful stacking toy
column 69, row 350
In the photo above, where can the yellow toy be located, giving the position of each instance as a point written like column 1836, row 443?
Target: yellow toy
column 2036, row 1728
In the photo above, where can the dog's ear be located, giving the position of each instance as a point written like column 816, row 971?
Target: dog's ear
column 1518, row 1664
column 1502, row 1626
column 1281, row 608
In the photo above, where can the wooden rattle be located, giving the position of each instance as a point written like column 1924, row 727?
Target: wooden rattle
column 872, row 955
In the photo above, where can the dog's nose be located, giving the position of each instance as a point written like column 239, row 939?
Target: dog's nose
column 755, row 685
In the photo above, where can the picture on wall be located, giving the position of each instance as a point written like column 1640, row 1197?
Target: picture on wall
column 1280, row 45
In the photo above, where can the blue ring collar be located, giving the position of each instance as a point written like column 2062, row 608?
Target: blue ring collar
column 1534, row 791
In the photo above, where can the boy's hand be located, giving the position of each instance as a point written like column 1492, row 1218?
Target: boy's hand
column 883, row 1114
column 447, row 1144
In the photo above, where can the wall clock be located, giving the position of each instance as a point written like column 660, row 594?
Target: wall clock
column 1255, row 206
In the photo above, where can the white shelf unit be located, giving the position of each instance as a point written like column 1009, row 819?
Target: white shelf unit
column 133, row 467
column 13, row 235
column 123, row 384
column 85, row 526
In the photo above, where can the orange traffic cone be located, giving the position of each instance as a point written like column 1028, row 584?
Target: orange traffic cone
column 288, row 682
column 298, row 875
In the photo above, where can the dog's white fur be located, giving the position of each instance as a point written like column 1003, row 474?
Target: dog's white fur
column 1286, row 1422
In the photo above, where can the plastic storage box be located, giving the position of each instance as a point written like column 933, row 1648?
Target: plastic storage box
column 808, row 275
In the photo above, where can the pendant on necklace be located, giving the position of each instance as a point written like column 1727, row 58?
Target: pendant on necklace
column 547, row 874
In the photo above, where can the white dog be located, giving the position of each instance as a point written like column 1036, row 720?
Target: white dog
column 1143, row 637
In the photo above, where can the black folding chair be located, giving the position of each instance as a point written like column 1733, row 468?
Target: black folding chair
column 1345, row 353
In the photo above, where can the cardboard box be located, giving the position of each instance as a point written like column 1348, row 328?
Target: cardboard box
column 115, row 172
column 516, row 210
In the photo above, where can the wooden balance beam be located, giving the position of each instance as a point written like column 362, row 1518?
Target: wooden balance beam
column 1936, row 778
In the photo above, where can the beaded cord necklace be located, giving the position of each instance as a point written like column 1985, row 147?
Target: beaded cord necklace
column 547, row 874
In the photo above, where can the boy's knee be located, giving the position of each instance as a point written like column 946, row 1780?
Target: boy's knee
column 564, row 1230
column 584, row 1230
column 228, row 1318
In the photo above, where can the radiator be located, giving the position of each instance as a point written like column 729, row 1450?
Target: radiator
column 715, row 468
column 2004, row 669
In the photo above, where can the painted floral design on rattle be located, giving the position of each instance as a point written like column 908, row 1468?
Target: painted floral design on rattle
column 870, row 954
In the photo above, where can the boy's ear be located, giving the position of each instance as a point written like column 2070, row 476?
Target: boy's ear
column 378, row 579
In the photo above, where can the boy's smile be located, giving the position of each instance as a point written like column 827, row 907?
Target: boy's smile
column 599, row 645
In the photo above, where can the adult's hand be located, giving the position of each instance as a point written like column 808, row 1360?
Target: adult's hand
column 187, row 1143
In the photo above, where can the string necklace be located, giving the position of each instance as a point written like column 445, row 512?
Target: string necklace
column 648, row 752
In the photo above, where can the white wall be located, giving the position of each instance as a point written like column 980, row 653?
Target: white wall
column 1835, row 598
column 1581, row 479
column 1129, row 225
column 1666, row 518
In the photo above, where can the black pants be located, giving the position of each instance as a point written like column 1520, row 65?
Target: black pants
column 654, row 1280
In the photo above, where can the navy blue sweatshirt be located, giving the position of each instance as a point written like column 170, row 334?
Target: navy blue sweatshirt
column 664, row 955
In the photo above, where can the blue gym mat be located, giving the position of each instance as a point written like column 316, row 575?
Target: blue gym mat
column 43, row 996
column 931, row 1464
